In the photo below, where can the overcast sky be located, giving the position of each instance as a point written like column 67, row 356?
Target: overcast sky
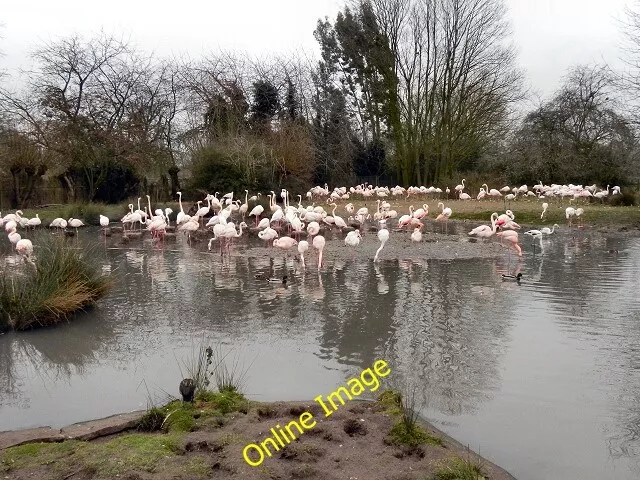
column 551, row 35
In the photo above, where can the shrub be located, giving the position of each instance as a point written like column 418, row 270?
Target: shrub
column 151, row 421
column 456, row 468
column 626, row 199
column 60, row 282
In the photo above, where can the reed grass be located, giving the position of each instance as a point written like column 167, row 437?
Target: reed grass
column 61, row 281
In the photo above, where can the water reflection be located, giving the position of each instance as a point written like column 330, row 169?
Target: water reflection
column 497, row 364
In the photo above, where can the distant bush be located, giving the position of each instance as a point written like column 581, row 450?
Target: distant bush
column 60, row 282
column 626, row 199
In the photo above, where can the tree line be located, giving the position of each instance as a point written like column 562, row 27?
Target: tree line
column 413, row 91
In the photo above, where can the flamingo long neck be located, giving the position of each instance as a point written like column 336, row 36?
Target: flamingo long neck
column 246, row 196
column 493, row 223
column 149, row 201
column 180, row 201
column 463, row 183
column 138, row 205
column 333, row 212
column 131, row 206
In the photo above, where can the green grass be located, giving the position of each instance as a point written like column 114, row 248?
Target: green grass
column 225, row 402
column 455, row 468
column 152, row 420
column 527, row 211
column 35, row 454
column 411, row 436
column 142, row 452
column 406, row 432
column 61, row 281
column 179, row 417
column 90, row 213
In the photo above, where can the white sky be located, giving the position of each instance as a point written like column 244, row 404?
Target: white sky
column 551, row 35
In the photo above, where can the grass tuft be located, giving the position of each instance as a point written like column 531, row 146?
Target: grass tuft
column 225, row 402
column 152, row 420
column 455, row 468
column 179, row 417
column 61, row 281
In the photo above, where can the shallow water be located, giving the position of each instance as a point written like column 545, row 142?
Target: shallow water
column 542, row 378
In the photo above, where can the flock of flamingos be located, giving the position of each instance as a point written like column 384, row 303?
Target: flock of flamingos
column 298, row 219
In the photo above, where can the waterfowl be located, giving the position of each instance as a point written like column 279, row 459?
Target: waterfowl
column 512, row 277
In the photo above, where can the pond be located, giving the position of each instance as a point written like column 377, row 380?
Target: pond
column 541, row 377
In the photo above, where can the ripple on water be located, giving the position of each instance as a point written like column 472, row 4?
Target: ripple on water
column 497, row 364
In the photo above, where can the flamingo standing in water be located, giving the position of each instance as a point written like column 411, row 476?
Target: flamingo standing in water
column 353, row 240
column 511, row 236
column 256, row 212
column 383, row 236
column 318, row 244
column 416, row 236
column 303, row 246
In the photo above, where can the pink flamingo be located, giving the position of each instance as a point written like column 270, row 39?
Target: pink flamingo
column 318, row 244
column 445, row 214
column 303, row 246
column 285, row 242
column 511, row 236
column 485, row 231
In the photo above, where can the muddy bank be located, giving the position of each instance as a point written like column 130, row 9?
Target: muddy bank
column 353, row 443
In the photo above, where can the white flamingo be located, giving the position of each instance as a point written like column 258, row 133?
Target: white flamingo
column 383, row 236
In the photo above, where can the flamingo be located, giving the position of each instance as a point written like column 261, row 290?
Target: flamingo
column 460, row 188
column 303, row 246
column 25, row 248
column 313, row 228
column 569, row 213
column 230, row 232
column 421, row 212
column 34, row 222
column 353, row 240
column 256, row 212
column 104, row 222
column 579, row 212
column 180, row 218
column 512, row 236
column 10, row 225
column 318, row 244
column 75, row 223
column 189, row 226
column 545, row 205
column 485, row 231
column 405, row 219
column 416, row 236
column 203, row 211
column 383, row 236
column 536, row 235
column 245, row 206
column 445, row 214
column 549, row 231
column 285, row 242
column 14, row 237
column 268, row 233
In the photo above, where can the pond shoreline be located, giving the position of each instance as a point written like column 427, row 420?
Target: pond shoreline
column 340, row 454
